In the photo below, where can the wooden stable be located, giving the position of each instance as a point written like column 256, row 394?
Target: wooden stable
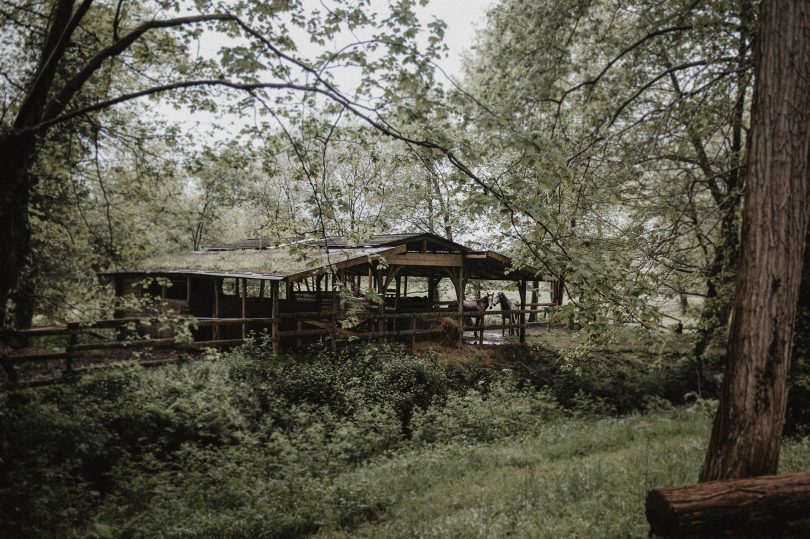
column 389, row 286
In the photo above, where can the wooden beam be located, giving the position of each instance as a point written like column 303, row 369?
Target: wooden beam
column 348, row 263
column 426, row 259
column 392, row 272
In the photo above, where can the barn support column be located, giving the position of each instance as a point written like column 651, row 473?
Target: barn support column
column 244, row 308
column 381, row 293
column 522, row 292
column 274, row 314
column 460, row 297
column 341, row 293
column 215, row 314
column 482, row 321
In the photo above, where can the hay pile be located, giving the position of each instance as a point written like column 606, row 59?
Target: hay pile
column 450, row 330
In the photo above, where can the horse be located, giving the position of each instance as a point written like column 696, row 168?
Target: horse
column 506, row 305
column 477, row 306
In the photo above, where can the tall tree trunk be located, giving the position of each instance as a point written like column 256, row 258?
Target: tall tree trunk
column 747, row 430
column 16, row 154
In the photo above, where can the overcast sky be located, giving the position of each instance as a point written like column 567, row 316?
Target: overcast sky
column 463, row 18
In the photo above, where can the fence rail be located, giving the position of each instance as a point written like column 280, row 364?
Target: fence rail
column 329, row 320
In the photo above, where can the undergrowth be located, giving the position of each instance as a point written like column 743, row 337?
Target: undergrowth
column 371, row 441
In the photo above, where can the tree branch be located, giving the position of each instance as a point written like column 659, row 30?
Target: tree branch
column 55, row 107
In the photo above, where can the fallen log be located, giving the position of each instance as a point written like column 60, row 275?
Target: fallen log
column 737, row 507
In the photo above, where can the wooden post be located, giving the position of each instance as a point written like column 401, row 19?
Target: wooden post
column 333, row 330
column 340, row 291
column 396, row 299
column 431, row 290
column 535, row 299
column 522, row 292
column 299, row 326
column 381, row 308
column 215, row 329
column 188, row 291
column 244, row 307
column 405, row 287
column 482, row 321
column 274, row 314
column 413, row 335
column 261, row 290
column 72, row 340
column 460, row 298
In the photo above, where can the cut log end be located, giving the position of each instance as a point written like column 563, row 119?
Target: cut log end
column 744, row 507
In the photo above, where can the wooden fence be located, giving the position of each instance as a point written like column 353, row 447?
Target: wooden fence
column 325, row 325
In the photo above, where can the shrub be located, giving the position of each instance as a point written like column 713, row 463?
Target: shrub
column 475, row 416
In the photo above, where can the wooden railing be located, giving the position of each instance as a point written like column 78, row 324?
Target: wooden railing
column 329, row 322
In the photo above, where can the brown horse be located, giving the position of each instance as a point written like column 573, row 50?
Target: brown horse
column 476, row 308
column 506, row 305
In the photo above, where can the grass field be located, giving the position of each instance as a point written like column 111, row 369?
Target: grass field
column 585, row 478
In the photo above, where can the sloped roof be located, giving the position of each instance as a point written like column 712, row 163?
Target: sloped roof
column 346, row 242
column 255, row 258
column 277, row 261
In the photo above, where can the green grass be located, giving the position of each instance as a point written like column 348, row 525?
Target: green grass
column 578, row 478
column 584, row 478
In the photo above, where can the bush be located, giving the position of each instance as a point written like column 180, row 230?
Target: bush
column 252, row 445
column 476, row 416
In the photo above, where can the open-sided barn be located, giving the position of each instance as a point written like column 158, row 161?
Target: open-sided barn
column 386, row 286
